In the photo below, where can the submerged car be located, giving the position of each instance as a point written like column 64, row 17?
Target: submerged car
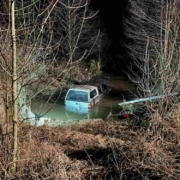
column 85, row 95
column 81, row 98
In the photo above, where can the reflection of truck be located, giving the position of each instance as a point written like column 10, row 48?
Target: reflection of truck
column 82, row 98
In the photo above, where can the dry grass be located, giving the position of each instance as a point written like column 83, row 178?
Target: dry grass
column 98, row 150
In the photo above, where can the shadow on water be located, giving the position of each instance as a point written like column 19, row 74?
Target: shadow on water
column 108, row 105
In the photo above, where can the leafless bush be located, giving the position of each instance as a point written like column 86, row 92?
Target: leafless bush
column 155, row 52
column 29, row 49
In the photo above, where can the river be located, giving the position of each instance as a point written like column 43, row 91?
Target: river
column 108, row 105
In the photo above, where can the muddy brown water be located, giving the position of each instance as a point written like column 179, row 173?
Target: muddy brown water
column 108, row 105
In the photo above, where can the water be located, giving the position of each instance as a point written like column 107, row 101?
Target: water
column 57, row 111
column 108, row 105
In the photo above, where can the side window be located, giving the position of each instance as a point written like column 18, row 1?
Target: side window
column 93, row 93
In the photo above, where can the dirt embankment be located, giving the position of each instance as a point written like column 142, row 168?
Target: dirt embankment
column 98, row 150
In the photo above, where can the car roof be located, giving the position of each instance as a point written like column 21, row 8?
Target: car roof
column 84, row 87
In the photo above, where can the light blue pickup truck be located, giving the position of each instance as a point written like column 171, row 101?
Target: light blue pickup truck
column 82, row 97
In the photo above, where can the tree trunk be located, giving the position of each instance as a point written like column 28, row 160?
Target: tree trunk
column 14, row 85
column 2, row 111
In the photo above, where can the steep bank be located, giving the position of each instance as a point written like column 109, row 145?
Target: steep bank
column 98, row 150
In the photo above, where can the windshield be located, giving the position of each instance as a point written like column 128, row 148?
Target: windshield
column 79, row 96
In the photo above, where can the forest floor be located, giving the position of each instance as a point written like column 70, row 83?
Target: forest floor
column 98, row 149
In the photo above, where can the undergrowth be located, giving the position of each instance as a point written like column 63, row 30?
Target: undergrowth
column 108, row 150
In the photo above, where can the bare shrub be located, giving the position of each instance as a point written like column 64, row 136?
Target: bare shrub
column 155, row 53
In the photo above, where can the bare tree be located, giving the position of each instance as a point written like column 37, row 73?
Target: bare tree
column 25, row 69
column 32, row 33
column 154, row 35
column 153, row 30
column 14, row 85
column 79, row 29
